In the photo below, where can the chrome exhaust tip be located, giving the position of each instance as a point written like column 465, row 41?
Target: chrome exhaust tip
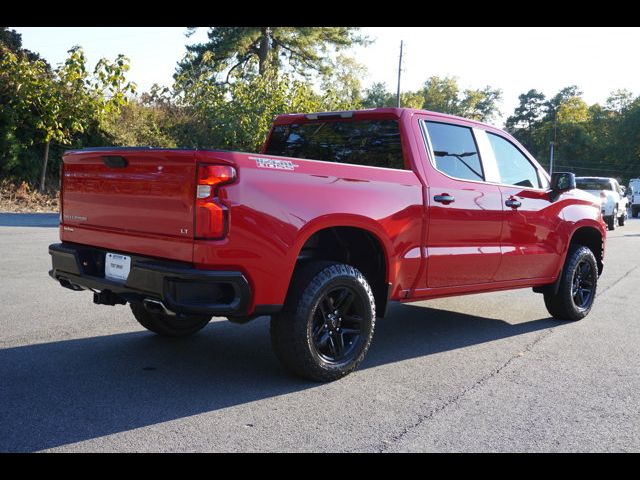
column 156, row 306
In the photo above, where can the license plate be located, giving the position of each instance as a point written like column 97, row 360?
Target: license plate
column 116, row 267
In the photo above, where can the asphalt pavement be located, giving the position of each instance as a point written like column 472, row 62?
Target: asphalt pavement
column 487, row 372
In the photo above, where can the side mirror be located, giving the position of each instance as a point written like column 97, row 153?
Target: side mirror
column 562, row 181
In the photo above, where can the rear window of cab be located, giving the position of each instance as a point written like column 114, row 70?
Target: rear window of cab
column 373, row 143
column 591, row 184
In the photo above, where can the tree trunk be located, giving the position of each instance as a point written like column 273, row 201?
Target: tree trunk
column 44, row 165
column 263, row 51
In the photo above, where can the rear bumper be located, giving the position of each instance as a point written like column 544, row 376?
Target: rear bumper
column 179, row 287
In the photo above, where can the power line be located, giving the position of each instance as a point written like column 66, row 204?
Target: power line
column 586, row 163
column 593, row 169
column 591, row 163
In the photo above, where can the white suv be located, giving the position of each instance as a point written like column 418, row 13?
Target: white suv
column 614, row 202
column 633, row 193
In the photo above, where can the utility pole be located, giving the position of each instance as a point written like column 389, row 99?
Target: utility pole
column 399, row 71
column 553, row 142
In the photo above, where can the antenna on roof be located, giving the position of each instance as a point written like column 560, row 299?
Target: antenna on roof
column 399, row 71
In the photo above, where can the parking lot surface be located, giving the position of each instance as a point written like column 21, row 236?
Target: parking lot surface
column 487, row 372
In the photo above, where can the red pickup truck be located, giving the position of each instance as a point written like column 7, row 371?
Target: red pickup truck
column 340, row 213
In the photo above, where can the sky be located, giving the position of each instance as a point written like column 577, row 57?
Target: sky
column 514, row 59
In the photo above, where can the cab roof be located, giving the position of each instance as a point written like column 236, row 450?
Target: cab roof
column 369, row 114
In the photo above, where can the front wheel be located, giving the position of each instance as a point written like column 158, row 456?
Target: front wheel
column 578, row 284
column 327, row 323
column 622, row 218
column 611, row 221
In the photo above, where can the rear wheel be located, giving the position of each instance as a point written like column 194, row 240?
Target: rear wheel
column 168, row 325
column 578, row 284
column 634, row 212
column 327, row 323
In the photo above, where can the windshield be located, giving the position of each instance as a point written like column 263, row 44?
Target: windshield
column 593, row 184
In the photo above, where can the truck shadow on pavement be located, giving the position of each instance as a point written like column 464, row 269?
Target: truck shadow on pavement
column 57, row 393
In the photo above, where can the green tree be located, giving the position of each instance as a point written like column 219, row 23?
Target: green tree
column 12, row 41
column 619, row 100
column 143, row 122
column 526, row 116
column 342, row 88
column 17, row 152
column 245, row 51
column 410, row 100
column 238, row 115
column 481, row 105
column 441, row 95
column 377, row 96
column 625, row 152
column 31, row 93
column 573, row 110
column 564, row 118
column 559, row 98
column 61, row 104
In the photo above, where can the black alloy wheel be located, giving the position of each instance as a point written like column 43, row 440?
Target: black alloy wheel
column 578, row 283
column 327, row 322
column 337, row 324
column 582, row 284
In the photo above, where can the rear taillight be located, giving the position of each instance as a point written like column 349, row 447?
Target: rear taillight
column 212, row 217
column 61, row 220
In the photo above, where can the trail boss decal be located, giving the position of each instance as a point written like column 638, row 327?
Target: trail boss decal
column 272, row 163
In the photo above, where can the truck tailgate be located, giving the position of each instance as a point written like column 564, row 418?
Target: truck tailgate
column 122, row 198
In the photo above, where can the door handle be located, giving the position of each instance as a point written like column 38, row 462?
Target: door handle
column 513, row 203
column 444, row 198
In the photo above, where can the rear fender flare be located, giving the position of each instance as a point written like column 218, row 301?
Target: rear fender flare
column 344, row 220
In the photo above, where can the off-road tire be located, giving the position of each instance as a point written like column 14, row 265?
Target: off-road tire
column 562, row 305
column 622, row 218
column 611, row 221
column 292, row 330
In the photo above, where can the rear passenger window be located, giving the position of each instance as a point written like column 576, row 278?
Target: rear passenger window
column 514, row 168
column 455, row 151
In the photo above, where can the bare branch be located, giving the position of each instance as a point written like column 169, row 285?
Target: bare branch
column 306, row 59
column 242, row 61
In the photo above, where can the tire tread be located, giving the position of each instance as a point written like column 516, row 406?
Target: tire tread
column 560, row 305
column 289, row 327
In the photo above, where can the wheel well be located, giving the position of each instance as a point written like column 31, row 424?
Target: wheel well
column 356, row 247
column 592, row 239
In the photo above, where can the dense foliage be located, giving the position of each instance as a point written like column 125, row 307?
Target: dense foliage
column 590, row 140
column 245, row 51
column 227, row 91
column 41, row 106
column 440, row 95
